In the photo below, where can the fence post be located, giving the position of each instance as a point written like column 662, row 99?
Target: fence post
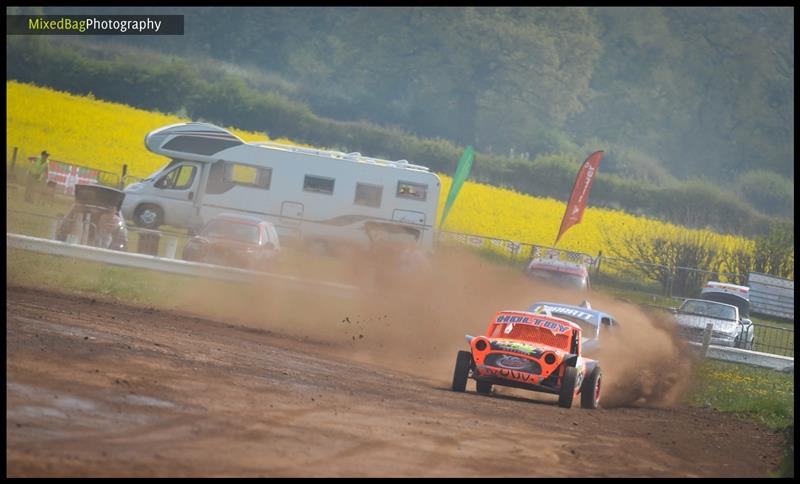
column 85, row 228
column 10, row 174
column 122, row 178
column 597, row 266
column 172, row 247
column 707, row 337
column 670, row 281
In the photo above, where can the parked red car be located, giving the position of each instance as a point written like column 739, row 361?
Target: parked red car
column 234, row 240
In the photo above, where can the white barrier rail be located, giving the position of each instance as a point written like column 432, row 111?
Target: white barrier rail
column 173, row 266
column 755, row 358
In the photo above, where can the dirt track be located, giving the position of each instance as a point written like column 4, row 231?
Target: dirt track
column 98, row 388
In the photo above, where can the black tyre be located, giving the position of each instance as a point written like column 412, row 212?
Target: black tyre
column 590, row 389
column 567, row 392
column 484, row 388
column 461, row 372
column 148, row 216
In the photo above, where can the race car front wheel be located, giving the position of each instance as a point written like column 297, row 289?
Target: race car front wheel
column 590, row 390
column 461, row 372
column 484, row 388
column 567, row 391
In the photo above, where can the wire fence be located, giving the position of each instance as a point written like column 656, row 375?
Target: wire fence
column 774, row 340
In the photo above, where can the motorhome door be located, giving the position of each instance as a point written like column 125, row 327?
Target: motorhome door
column 291, row 212
column 177, row 189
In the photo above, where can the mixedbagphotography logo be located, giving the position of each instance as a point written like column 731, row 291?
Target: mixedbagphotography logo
column 94, row 24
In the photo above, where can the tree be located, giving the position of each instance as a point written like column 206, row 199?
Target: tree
column 774, row 253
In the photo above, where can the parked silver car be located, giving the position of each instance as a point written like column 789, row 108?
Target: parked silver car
column 729, row 329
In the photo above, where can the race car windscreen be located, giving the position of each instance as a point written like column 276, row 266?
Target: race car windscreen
column 533, row 334
column 560, row 278
column 588, row 330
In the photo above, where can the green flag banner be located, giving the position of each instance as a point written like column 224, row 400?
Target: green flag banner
column 462, row 172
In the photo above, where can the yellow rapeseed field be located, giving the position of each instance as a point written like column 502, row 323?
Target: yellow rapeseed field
column 103, row 135
column 85, row 131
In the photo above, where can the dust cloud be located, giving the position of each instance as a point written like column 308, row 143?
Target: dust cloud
column 412, row 316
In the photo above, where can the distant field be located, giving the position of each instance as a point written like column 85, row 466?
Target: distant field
column 103, row 135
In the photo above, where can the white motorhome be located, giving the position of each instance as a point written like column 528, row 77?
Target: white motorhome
column 309, row 195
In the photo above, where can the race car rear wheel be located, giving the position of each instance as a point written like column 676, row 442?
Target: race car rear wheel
column 590, row 390
column 484, row 388
column 461, row 372
column 567, row 392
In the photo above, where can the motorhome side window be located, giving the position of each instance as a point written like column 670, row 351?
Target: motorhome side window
column 414, row 191
column 318, row 184
column 179, row 178
column 248, row 175
column 369, row 195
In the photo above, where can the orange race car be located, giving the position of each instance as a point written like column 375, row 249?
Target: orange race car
column 532, row 351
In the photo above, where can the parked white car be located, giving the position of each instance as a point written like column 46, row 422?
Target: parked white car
column 729, row 329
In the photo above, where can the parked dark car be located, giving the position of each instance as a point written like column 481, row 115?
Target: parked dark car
column 234, row 240
column 95, row 218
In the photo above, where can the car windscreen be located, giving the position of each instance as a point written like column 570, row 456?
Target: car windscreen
column 225, row 229
column 561, row 278
column 588, row 330
column 99, row 195
column 532, row 334
column 708, row 309
column 739, row 302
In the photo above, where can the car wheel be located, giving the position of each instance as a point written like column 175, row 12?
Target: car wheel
column 590, row 390
column 567, row 392
column 484, row 388
column 461, row 372
column 148, row 216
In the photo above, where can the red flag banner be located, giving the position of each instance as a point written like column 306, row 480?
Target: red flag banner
column 67, row 176
column 580, row 193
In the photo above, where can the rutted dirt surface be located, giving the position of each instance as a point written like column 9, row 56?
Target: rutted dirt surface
column 99, row 388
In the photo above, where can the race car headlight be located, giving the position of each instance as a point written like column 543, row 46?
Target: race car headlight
column 481, row 345
column 549, row 358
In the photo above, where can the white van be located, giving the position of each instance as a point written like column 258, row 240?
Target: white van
column 309, row 195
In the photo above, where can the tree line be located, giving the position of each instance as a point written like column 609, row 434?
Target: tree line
column 176, row 86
